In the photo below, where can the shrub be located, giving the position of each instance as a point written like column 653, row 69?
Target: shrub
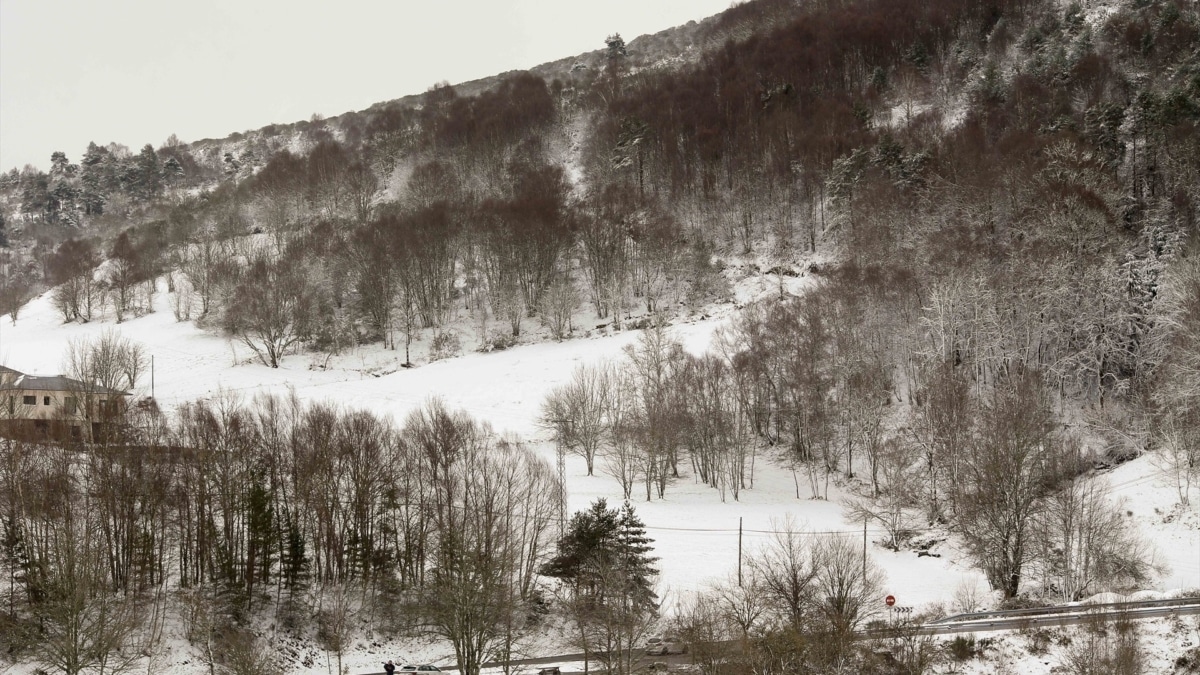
column 498, row 341
column 962, row 647
column 444, row 345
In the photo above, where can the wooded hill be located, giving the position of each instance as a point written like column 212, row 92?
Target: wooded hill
column 1004, row 193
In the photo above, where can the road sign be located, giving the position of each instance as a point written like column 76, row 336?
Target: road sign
column 890, row 600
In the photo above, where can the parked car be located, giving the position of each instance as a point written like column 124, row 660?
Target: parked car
column 423, row 668
column 667, row 644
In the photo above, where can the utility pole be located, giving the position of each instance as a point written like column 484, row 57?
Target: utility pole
column 739, row 551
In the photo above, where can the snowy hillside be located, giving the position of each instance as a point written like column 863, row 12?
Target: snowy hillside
column 696, row 533
column 864, row 299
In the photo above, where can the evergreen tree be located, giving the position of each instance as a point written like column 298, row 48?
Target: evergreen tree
column 35, row 194
column 294, row 561
column 261, row 535
column 59, row 164
column 601, row 545
column 16, row 559
column 94, row 180
column 172, row 169
column 148, row 175
column 615, row 45
column 635, row 549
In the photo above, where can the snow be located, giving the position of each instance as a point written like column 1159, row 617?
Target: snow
column 696, row 533
column 1171, row 528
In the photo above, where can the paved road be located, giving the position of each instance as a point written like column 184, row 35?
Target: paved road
column 977, row 622
column 1080, row 615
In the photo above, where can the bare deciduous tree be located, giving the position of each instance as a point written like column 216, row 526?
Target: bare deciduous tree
column 270, row 309
column 577, row 411
column 1006, row 473
column 785, row 570
column 1089, row 545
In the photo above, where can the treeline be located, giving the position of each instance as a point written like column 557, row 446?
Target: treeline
column 309, row 511
column 106, row 178
column 485, row 220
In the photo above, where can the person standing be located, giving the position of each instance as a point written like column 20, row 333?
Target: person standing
column 389, row 668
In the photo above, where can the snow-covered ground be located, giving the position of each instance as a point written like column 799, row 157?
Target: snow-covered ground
column 695, row 532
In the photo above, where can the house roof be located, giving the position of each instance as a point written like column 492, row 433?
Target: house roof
column 56, row 383
column 5, row 370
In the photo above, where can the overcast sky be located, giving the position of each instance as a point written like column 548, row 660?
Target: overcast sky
column 136, row 71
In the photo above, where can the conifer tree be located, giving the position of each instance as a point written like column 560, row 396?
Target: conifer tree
column 601, row 545
column 635, row 548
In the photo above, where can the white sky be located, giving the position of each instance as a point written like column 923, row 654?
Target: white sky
column 136, row 71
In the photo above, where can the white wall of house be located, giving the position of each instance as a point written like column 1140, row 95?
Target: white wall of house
column 41, row 404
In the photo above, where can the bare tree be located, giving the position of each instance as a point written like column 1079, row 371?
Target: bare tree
column 1008, row 467
column 741, row 602
column 1088, row 544
column 334, row 619
column 102, row 371
column 706, row 629
column 786, row 570
column 73, row 268
column 270, row 310
column 941, row 425
column 890, row 508
column 374, row 277
column 1178, row 452
column 846, row 587
column 242, row 653
column 606, row 254
column 205, row 266
column 654, row 362
column 494, row 504
column 1106, row 647
column 1177, row 398
column 577, row 411
column 82, row 624
column 111, row 361
column 182, row 296
column 558, row 303
column 621, row 458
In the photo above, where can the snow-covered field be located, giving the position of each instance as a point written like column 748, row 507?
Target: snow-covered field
column 696, row 534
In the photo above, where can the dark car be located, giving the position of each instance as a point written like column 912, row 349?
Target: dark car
column 667, row 644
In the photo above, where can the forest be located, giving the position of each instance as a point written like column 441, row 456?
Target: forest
column 997, row 200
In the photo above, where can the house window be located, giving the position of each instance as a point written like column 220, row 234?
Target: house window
column 69, row 405
column 45, row 400
column 30, row 400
